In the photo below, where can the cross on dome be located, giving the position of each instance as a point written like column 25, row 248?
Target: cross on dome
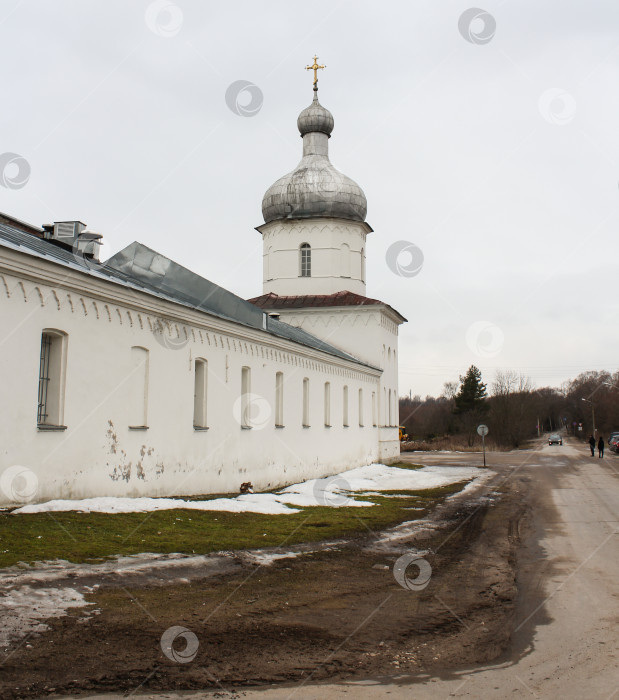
column 314, row 189
column 315, row 67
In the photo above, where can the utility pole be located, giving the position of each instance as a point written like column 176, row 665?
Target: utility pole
column 592, row 414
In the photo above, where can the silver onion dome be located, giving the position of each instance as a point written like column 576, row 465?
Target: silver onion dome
column 314, row 188
column 315, row 118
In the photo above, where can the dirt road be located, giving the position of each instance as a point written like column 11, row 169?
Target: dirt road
column 565, row 641
column 320, row 626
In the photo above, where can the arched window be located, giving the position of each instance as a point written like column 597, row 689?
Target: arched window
column 52, row 375
column 305, row 260
column 390, row 417
column 245, row 398
column 306, row 403
column 361, row 408
column 384, row 411
column 345, row 260
column 363, row 264
column 138, row 401
column 345, row 407
column 267, row 264
column 279, row 399
column 327, row 404
column 199, row 394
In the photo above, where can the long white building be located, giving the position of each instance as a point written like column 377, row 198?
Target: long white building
column 139, row 377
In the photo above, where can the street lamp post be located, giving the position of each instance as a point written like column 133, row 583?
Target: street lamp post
column 592, row 414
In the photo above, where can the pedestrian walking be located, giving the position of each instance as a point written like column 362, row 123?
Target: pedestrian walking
column 592, row 445
column 601, row 447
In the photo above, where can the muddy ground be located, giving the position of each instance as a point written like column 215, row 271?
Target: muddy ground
column 332, row 614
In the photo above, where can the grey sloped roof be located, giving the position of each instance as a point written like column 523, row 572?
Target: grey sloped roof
column 140, row 268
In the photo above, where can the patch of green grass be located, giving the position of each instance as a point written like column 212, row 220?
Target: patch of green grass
column 83, row 537
column 407, row 465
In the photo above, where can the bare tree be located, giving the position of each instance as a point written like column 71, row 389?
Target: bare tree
column 512, row 408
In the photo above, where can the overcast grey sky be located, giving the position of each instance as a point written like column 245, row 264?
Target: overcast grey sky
column 495, row 152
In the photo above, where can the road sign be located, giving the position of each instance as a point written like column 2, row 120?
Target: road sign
column 483, row 431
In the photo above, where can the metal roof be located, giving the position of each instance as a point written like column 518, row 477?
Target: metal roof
column 140, row 268
column 314, row 188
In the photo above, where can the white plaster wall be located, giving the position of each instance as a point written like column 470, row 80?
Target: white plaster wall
column 330, row 272
column 371, row 334
column 98, row 455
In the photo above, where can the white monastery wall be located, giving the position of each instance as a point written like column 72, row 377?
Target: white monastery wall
column 98, row 454
column 371, row 335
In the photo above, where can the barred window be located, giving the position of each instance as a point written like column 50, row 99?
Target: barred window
column 52, row 361
column 305, row 259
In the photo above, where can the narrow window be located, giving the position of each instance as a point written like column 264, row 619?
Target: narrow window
column 305, row 260
column 306, row 422
column 279, row 400
column 384, row 411
column 245, row 397
column 362, row 264
column 374, row 409
column 52, row 371
column 345, row 260
column 396, row 414
column 328, row 404
column 138, row 382
column 361, row 408
column 390, row 421
column 199, row 394
column 345, row 407
column 267, row 263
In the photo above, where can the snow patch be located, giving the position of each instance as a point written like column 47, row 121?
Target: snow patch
column 334, row 491
column 24, row 608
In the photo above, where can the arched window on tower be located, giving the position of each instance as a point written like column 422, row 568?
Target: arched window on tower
column 345, row 260
column 305, row 260
column 363, row 264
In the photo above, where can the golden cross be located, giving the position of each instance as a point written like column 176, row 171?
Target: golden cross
column 315, row 68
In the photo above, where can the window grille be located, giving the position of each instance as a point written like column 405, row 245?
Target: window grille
column 306, row 260
column 46, row 351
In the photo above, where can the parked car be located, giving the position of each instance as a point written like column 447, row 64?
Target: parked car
column 614, row 443
column 614, row 434
column 555, row 439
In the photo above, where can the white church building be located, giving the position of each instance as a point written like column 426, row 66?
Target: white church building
column 138, row 377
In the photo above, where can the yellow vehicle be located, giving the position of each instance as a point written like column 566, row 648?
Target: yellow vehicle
column 403, row 435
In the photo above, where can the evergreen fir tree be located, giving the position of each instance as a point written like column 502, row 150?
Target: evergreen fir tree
column 472, row 394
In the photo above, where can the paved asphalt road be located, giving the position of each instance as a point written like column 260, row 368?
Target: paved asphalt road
column 566, row 639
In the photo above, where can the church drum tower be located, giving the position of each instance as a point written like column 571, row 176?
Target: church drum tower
column 314, row 247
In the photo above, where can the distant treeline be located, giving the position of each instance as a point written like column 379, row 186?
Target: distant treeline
column 512, row 408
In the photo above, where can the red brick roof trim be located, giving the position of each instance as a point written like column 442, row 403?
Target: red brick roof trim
column 274, row 301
